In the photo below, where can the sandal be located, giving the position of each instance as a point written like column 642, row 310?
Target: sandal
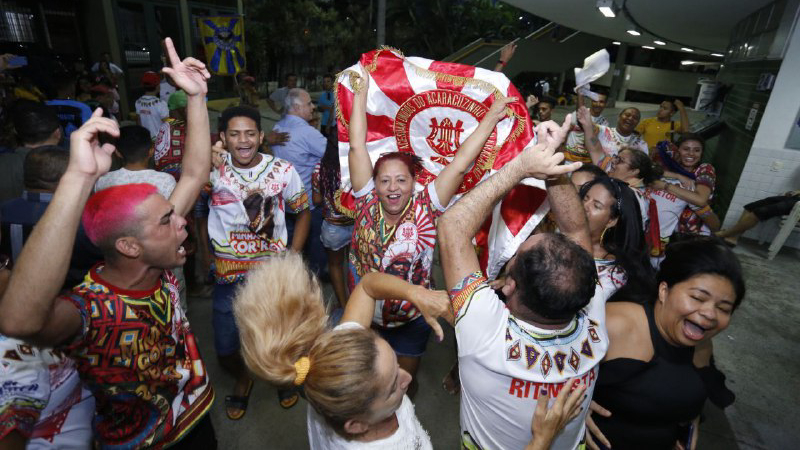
column 451, row 382
column 238, row 402
column 288, row 397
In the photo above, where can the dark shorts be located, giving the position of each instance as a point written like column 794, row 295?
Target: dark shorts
column 226, row 334
column 770, row 207
column 410, row 339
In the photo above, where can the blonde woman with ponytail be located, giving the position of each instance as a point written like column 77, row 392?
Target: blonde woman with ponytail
column 350, row 375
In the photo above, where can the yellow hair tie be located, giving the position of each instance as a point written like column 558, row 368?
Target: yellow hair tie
column 302, row 366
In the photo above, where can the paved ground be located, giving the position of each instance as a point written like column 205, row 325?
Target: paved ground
column 759, row 353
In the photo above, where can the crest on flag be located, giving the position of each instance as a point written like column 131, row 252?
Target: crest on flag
column 429, row 108
column 223, row 39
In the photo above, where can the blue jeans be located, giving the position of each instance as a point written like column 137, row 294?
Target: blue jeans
column 312, row 250
column 226, row 333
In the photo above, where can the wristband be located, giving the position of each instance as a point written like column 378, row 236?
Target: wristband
column 501, row 62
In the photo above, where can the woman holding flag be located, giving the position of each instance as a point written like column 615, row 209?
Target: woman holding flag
column 395, row 227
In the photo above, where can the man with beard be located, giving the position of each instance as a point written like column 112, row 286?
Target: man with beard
column 251, row 192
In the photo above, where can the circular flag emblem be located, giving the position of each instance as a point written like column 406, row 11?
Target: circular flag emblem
column 431, row 125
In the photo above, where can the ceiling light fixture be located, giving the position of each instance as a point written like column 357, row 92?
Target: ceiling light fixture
column 648, row 47
column 686, row 49
column 659, row 43
column 634, row 33
column 687, row 62
column 607, row 8
column 617, row 43
column 718, row 55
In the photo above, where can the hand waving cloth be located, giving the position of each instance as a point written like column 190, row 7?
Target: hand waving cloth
column 429, row 108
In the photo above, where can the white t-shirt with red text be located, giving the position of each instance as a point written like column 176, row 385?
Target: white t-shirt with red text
column 505, row 364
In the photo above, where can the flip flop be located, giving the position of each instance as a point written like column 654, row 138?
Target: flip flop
column 288, row 397
column 238, row 402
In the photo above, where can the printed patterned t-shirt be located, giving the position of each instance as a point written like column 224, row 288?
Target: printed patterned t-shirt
column 42, row 397
column 505, row 364
column 670, row 208
column 152, row 111
column 405, row 250
column 329, row 210
column 610, row 277
column 138, row 356
column 610, row 140
column 247, row 222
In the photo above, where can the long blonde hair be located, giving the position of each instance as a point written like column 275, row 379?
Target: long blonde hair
column 281, row 317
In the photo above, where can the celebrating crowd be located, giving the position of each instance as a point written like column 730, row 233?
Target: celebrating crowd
column 597, row 332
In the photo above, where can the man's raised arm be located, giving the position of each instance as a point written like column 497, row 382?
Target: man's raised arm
column 568, row 211
column 463, row 220
column 28, row 309
column 191, row 76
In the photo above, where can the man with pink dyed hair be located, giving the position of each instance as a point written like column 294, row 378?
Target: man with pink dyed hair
column 123, row 325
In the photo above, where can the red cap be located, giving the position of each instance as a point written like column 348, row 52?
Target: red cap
column 150, row 79
column 100, row 88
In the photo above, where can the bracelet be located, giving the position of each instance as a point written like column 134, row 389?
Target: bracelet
column 503, row 63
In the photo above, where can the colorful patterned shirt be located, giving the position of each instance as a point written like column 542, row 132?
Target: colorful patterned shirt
column 506, row 364
column 169, row 146
column 138, row 356
column 330, row 211
column 42, row 397
column 609, row 138
column 247, row 222
column 405, row 250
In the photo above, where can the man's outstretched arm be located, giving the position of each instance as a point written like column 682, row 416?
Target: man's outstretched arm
column 28, row 309
column 568, row 211
column 463, row 220
column 191, row 75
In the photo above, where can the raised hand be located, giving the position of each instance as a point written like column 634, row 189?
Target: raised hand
column 531, row 101
column 498, row 111
column 678, row 104
column 190, row 74
column 507, row 52
column 552, row 133
column 584, row 119
column 87, row 155
column 218, row 154
column 543, row 160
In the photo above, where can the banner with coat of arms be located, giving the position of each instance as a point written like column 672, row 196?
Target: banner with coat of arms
column 429, row 108
column 223, row 39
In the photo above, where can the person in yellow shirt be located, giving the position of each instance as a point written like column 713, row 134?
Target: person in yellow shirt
column 661, row 127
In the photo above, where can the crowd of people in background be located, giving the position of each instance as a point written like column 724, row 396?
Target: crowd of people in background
column 598, row 330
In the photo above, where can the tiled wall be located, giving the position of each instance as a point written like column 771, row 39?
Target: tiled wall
column 771, row 168
column 728, row 151
column 760, row 179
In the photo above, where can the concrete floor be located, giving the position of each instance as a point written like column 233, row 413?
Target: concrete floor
column 759, row 353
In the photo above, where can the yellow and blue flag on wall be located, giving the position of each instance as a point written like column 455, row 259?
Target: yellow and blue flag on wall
column 223, row 38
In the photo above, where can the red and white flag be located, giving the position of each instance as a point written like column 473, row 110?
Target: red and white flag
column 429, row 108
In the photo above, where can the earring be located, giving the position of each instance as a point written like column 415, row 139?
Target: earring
column 603, row 234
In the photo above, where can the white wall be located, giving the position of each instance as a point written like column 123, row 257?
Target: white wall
column 760, row 176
